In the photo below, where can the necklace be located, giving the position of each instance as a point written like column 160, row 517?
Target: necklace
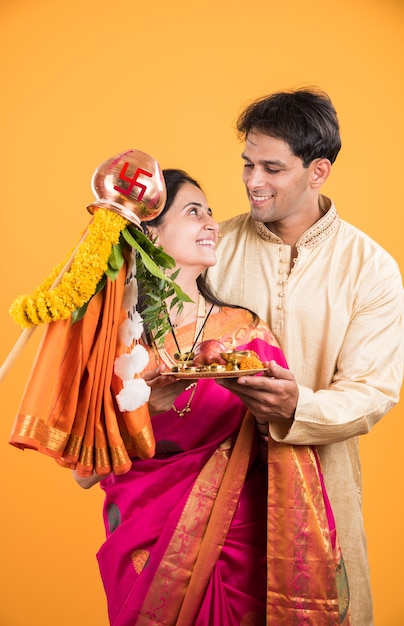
column 181, row 319
column 187, row 407
column 168, row 360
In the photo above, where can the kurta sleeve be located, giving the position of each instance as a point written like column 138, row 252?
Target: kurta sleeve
column 368, row 370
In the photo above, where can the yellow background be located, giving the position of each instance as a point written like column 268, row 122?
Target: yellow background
column 82, row 81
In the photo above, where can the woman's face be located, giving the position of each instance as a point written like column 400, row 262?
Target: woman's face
column 188, row 231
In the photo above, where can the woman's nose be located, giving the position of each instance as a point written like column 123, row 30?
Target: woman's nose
column 212, row 225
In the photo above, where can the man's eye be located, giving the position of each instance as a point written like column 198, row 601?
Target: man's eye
column 272, row 171
column 248, row 165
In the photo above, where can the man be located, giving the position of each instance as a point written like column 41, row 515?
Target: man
column 332, row 296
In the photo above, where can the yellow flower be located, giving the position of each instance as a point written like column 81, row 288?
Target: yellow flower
column 78, row 284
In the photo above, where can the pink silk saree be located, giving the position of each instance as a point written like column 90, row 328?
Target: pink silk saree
column 204, row 533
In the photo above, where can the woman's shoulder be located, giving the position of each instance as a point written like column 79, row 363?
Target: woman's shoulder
column 241, row 324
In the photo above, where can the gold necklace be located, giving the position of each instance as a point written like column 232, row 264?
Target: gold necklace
column 187, row 407
column 199, row 326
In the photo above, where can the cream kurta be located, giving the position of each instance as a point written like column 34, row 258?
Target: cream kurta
column 337, row 314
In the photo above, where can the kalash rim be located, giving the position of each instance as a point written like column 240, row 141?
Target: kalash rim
column 121, row 209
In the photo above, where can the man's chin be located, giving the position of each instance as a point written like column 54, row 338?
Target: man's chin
column 259, row 214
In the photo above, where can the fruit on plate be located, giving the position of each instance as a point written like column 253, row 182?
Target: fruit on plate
column 208, row 352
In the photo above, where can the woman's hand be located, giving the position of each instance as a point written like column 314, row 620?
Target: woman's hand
column 86, row 482
column 164, row 389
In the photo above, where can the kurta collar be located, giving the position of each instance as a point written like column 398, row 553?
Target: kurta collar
column 314, row 235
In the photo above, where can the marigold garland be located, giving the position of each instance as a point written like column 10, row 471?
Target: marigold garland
column 79, row 283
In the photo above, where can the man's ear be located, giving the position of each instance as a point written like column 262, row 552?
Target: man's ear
column 321, row 169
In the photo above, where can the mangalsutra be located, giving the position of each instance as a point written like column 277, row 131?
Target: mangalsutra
column 187, row 407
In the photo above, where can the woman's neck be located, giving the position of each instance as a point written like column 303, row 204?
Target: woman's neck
column 188, row 313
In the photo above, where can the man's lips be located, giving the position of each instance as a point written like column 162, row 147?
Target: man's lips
column 257, row 200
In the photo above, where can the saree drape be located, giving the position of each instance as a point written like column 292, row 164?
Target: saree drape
column 205, row 533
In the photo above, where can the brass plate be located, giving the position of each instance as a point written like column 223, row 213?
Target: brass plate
column 194, row 374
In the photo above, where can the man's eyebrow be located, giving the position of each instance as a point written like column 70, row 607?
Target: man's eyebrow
column 265, row 162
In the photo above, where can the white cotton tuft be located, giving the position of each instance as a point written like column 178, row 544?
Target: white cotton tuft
column 126, row 332
column 134, row 394
column 123, row 367
column 127, row 365
column 137, row 325
column 140, row 358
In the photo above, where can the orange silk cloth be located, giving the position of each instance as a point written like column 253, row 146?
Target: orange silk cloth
column 68, row 410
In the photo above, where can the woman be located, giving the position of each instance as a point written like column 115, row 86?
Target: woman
column 187, row 540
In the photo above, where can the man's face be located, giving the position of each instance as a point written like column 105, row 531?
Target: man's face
column 277, row 184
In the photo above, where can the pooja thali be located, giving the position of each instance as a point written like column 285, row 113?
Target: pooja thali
column 195, row 373
column 231, row 369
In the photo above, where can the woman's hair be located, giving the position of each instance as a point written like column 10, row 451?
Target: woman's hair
column 174, row 179
column 305, row 119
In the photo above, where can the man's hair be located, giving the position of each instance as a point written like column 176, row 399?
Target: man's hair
column 305, row 119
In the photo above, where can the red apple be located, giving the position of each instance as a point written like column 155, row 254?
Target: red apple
column 208, row 352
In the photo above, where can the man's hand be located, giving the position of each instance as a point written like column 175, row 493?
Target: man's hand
column 271, row 397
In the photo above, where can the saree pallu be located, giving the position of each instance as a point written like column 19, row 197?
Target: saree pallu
column 205, row 533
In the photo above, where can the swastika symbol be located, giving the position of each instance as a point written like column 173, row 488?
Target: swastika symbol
column 132, row 181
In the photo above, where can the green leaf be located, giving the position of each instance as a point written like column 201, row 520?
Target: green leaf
column 147, row 260
column 112, row 273
column 153, row 268
column 153, row 251
column 116, row 259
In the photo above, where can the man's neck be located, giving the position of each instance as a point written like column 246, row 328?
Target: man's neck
column 291, row 230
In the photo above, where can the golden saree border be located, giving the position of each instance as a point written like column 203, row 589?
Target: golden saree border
column 177, row 589
column 166, row 592
column 302, row 563
column 219, row 522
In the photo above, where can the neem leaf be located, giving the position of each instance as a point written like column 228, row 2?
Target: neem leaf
column 115, row 260
column 153, row 251
column 152, row 267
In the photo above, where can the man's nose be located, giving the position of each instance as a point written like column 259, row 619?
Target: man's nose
column 255, row 178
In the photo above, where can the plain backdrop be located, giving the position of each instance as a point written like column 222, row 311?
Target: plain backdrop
column 81, row 81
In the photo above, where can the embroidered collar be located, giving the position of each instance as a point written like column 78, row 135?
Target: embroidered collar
column 314, row 235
